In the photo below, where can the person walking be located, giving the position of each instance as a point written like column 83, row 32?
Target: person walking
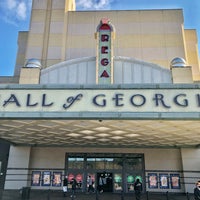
column 197, row 191
column 90, row 184
column 74, row 184
column 65, row 185
column 138, row 189
column 100, row 185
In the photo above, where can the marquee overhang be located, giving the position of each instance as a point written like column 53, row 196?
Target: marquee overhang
column 162, row 115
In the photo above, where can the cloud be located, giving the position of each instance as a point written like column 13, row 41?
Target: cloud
column 11, row 4
column 21, row 10
column 14, row 11
column 93, row 4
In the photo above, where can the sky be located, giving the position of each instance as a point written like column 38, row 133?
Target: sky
column 15, row 17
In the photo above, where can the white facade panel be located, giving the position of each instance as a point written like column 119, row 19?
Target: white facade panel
column 72, row 74
column 91, row 75
column 117, row 71
column 147, row 74
column 82, row 73
column 62, row 75
column 158, row 76
column 126, row 71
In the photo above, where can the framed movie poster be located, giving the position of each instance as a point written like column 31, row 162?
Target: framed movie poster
column 79, row 179
column 164, row 181
column 138, row 177
column 35, row 178
column 46, row 178
column 57, row 179
column 130, row 182
column 70, row 177
column 118, row 182
column 152, row 180
column 175, row 181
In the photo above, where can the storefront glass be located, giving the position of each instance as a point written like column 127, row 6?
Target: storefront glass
column 75, row 163
column 118, row 171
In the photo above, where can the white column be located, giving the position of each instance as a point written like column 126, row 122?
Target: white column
column 18, row 164
column 191, row 167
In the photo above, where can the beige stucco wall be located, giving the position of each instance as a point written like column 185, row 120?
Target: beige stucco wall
column 29, row 76
column 23, row 160
column 58, row 33
column 55, row 157
column 182, row 75
column 163, row 160
column 191, row 167
column 192, row 52
column 149, row 35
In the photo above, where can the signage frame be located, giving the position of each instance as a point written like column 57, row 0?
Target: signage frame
column 108, row 114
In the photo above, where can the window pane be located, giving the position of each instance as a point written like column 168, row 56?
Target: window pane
column 100, row 163
column 117, row 163
column 75, row 163
column 134, row 164
column 90, row 163
column 108, row 163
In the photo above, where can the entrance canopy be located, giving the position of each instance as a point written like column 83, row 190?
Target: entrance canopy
column 97, row 116
column 105, row 133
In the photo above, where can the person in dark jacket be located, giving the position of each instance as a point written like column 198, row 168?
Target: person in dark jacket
column 197, row 191
column 138, row 189
column 74, row 184
column 65, row 184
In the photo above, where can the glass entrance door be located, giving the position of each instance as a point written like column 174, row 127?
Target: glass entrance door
column 110, row 172
column 105, row 182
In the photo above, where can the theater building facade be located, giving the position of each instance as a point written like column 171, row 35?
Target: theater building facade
column 111, row 94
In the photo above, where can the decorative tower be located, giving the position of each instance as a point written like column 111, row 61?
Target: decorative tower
column 104, row 61
column 181, row 72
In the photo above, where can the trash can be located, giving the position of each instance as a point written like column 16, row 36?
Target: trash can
column 25, row 193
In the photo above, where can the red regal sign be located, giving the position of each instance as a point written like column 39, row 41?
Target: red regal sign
column 104, row 54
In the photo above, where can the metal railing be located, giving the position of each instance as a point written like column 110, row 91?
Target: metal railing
column 54, row 193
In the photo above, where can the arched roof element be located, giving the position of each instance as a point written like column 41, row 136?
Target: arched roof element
column 126, row 71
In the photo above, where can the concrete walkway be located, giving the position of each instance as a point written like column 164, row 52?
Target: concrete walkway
column 110, row 196
column 58, row 195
